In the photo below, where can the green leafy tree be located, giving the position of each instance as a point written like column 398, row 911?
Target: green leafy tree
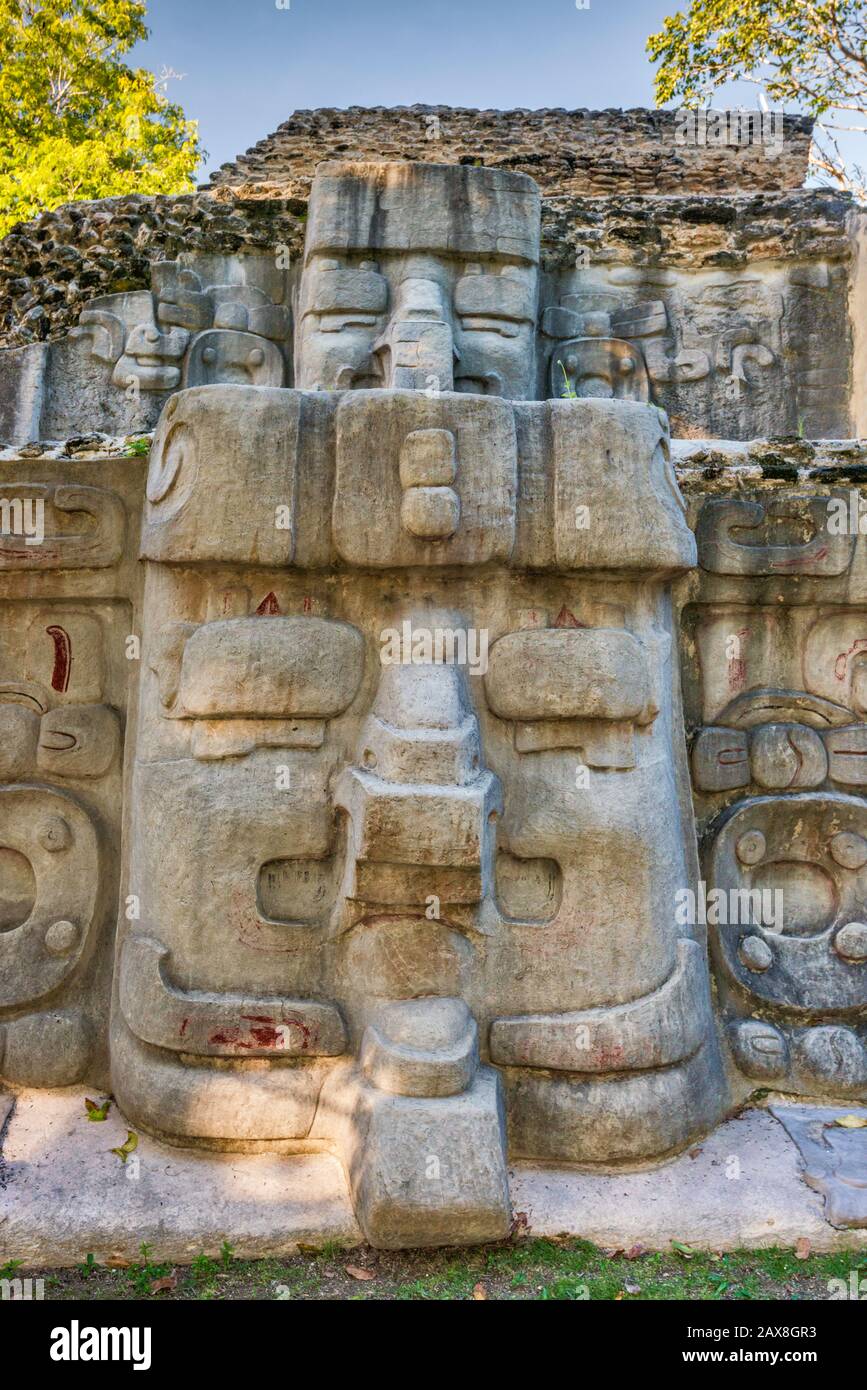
column 810, row 53
column 76, row 121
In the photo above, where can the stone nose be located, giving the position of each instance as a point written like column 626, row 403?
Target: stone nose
column 418, row 345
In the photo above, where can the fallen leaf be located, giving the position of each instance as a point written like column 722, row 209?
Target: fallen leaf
column 613, row 1254
column 634, row 1252
column 802, row 1248
column 520, row 1224
column 96, row 1112
column 480, row 1293
column 618, row 1297
column 685, row 1250
column 694, row 1153
column 356, row 1272
column 164, row 1285
column 852, row 1122
column 116, row 1262
column 129, row 1146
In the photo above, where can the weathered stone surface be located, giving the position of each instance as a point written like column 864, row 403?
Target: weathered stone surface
column 735, row 311
column 834, row 1158
column 375, row 767
column 581, row 152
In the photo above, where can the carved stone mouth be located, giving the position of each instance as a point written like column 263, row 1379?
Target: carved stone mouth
column 783, row 706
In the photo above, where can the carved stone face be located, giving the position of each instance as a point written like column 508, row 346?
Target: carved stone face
column 457, row 314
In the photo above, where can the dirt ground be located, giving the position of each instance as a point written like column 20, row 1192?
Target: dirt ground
column 525, row 1269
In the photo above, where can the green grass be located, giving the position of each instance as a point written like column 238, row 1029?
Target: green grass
column 524, row 1269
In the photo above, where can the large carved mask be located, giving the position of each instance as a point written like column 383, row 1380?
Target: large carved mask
column 421, row 277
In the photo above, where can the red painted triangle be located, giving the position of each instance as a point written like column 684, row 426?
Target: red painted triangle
column 268, row 607
column 566, row 618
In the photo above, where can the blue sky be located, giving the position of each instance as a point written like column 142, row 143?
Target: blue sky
column 248, row 64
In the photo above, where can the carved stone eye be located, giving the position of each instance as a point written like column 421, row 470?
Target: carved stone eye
column 61, row 938
column 851, row 941
column 55, row 834
column 755, row 954
column 209, row 355
column 751, row 847
column 256, row 357
column 849, row 850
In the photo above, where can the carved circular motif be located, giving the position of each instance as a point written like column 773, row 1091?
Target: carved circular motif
column 755, row 953
column 55, row 834
column 166, row 464
column 751, row 846
column 61, row 938
column 834, row 1055
column 786, row 755
column 851, row 941
column 759, row 1048
column 849, row 850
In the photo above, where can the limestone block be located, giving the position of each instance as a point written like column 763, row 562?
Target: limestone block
column 222, row 478
column 721, row 520
column 575, row 1118
column 19, row 738
column 796, row 867
column 424, row 1171
column 270, row 668
column 45, row 1049
column 720, row 760
column 425, row 1047
column 835, row 658
column 607, row 368
column 218, row 1025
column 421, row 808
column 235, row 1108
column 423, row 207
column 47, row 938
column 617, row 503
column 786, row 756
column 834, row 1159
column 368, row 504
column 419, row 831
column 450, row 301
column 78, row 741
column 760, row 1049
column 84, row 528
column 22, row 392
column 847, row 755
column 225, row 356
column 65, row 654
column 568, row 673
column 657, row 1031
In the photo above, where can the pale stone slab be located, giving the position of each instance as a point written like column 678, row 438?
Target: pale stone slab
column 688, row 1199
column 834, row 1157
column 63, row 1193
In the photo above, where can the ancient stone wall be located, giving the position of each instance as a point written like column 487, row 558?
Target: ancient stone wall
column 581, row 153
column 410, row 767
